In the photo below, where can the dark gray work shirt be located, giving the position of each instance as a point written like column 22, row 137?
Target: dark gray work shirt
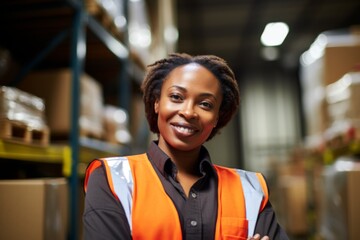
column 104, row 216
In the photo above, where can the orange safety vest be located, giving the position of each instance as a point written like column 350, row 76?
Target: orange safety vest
column 134, row 182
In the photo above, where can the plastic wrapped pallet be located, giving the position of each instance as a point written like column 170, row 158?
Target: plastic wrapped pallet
column 116, row 121
column 343, row 97
column 23, row 111
column 340, row 200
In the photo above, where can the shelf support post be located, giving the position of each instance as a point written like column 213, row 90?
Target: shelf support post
column 125, row 88
column 78, row 51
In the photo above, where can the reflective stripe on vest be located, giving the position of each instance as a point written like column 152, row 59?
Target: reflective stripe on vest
column 254, row 192
column 132, row 180
column 121, row 183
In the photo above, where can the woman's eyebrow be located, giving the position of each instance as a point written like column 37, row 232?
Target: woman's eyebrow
column 178, row 87
column 205, row 94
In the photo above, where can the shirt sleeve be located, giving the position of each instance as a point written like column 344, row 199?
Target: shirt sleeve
column 267, row 224
column 104, row 216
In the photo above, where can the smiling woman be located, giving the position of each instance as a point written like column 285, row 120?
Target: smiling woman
column 173, row 191
column 188, row 108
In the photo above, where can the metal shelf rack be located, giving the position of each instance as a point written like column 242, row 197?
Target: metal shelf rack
column 63, row 20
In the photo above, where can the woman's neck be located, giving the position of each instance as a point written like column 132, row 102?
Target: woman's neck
column 187, row 162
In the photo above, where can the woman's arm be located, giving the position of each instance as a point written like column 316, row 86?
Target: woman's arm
column 267, row 224
column 104, row 216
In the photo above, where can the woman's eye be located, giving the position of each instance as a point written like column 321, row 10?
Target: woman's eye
column 175, row 97
column 206, row 105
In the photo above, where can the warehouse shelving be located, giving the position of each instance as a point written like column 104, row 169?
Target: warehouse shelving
column 57, row 21
column 59, row 153
column 27, row 152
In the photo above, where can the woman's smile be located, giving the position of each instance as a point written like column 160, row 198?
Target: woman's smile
column 184, row 129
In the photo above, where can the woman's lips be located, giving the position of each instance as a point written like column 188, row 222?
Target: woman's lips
column 184, row 130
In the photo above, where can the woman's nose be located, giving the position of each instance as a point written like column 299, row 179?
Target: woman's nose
column 188, row 111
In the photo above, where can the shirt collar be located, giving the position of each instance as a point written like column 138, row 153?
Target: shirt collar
column 164, row 164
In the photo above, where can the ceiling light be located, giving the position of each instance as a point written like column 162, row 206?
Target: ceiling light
column 274, row 34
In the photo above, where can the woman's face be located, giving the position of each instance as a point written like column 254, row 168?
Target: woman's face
column 188, row 107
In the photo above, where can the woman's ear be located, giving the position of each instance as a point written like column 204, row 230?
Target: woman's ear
column 156, row 106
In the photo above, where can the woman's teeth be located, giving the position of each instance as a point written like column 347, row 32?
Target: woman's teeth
column 184, row 129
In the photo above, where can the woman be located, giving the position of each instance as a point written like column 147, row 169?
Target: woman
column 174, row 191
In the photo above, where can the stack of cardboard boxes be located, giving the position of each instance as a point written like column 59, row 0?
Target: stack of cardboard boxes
column 330, row 83
column 38, row 208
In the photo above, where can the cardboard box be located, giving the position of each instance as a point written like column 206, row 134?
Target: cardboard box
column 338, row 60
column 34, row 209
column 293, row 202
column 54, row 86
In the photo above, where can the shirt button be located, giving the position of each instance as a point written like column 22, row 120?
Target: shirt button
column 193, row 223
column 193, row 195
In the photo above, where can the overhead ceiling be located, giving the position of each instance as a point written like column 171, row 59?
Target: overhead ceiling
column 228, row 28
column 231, row 29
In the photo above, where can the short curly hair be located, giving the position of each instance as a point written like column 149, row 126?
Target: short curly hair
column 158, row 72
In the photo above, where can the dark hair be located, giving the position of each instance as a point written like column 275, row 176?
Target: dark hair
column 158, row 72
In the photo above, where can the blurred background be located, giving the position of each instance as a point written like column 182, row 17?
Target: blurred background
column 70, row 73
